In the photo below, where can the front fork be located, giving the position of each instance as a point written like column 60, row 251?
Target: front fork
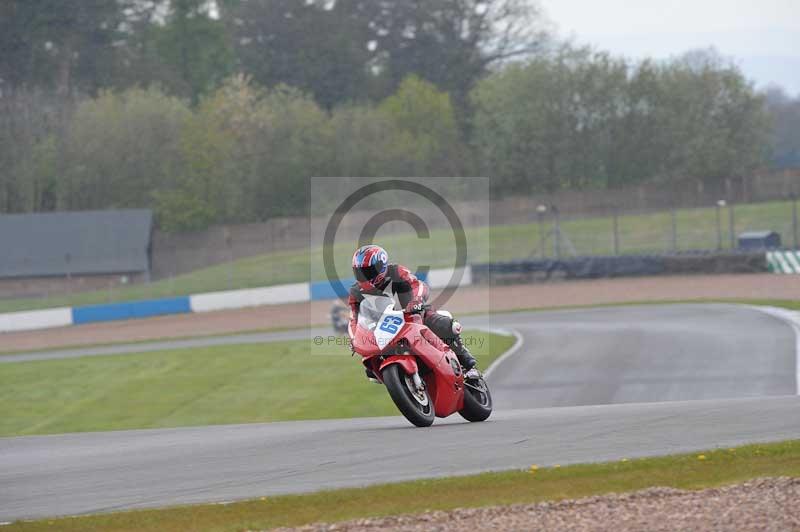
column 418, row 382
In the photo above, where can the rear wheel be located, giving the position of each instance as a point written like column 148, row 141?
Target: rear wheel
column 477, row 400
column 416, row 405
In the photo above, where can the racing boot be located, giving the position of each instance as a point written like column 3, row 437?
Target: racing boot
column 449, row 330
column 464, row 356
column 457, row 345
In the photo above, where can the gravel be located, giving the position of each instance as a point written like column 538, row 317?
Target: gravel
column 764, row 504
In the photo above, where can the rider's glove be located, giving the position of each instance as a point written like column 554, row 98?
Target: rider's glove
column 415, row 306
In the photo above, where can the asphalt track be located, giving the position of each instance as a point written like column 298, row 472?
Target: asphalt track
column 631, row 381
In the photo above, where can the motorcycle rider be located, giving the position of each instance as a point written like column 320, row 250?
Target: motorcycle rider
column 375, row 275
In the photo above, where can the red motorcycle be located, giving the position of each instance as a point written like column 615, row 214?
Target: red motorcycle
column 421, row 373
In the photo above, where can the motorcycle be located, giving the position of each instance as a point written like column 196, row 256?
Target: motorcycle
column 420, row 372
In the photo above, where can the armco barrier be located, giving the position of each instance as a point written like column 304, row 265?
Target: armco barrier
column 130, row 310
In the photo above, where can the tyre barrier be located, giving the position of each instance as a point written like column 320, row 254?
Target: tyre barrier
column 538, row 270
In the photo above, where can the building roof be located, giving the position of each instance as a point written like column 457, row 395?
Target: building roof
column 75, row 243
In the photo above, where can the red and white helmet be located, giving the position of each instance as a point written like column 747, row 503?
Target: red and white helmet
column 370, row 264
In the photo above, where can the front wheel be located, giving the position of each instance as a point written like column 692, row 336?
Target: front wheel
column 415, row 405
column 477, row 400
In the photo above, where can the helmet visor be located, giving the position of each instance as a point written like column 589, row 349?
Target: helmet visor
column 368, row 273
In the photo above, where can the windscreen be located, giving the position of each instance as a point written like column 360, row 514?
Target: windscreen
column 371, row 310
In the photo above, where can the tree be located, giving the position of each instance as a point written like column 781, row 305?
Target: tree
column 32, row 123
column 318, row 47
column 453, row 43
column 712, row 123
column 248, row 153
column 547, row 123
column 66, row 46
column 785, row 138
column 120, row 148
column 426, row 114
column 356, row 50
column 583, row 118
column 195, row 49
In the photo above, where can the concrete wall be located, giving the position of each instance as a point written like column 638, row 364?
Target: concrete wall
column 271, row 295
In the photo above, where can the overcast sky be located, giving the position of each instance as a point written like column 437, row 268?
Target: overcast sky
column 763, row 37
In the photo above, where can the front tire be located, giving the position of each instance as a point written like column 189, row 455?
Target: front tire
column 477, row 400
column 415, row 405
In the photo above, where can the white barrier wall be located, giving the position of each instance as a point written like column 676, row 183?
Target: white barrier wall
column 35, row 319
column 231, row 299
column 251, row 297
column 442, row 277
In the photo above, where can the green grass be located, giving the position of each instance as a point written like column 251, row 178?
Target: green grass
column 645, row 233
column 200, row 386
column 720, row 467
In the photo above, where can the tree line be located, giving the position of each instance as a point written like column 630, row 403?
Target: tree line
column 218, row 112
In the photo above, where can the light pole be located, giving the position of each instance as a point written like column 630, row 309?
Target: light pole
column 556, row 232
column 720, row 205
column 541, row 210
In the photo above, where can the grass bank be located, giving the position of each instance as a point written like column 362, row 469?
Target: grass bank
column 201, row 386
column 688, row 471
column 644, row 233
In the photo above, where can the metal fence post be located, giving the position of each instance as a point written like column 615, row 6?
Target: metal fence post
column 67, row 261
column 557, row 232
column 540, row 212
column 616, row 232
column 173, row 267
column 229, row 246
column 732, row 225
column 674, row 219
column 794, row 219
column 720, row 204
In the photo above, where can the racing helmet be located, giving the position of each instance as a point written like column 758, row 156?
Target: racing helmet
column 370, row 264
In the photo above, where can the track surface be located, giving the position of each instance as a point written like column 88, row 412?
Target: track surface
column 644, row 354
column 618, row 355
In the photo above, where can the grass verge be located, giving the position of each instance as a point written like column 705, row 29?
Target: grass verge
column 688, row 471
column 275, row 381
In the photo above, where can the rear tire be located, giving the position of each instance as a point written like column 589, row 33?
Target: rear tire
column 416, row 407
column 477, row 402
